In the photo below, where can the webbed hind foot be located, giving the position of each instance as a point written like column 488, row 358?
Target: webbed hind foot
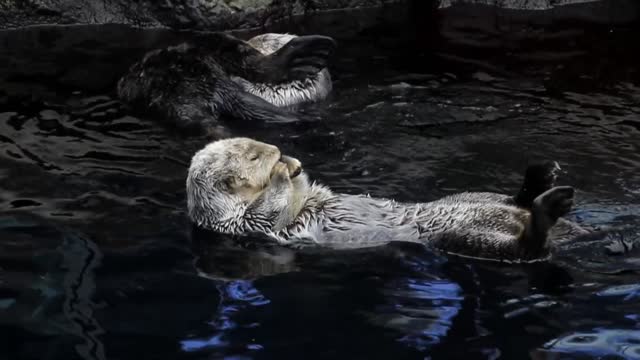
column 554, row 203
column 546, row 209
column 538, row 178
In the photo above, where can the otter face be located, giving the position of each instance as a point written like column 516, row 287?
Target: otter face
column 226, row 176
column 237, row 166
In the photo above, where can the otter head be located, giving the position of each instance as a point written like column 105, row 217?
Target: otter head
column 227, row 176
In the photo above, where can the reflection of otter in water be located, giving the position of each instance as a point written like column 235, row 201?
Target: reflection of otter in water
column 219, row 257
column 229, row 257
column 216, row 75
column 239, row 186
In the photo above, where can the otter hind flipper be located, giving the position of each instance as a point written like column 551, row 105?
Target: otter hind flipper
column 300, row 58
column 546, row 209
column 539, row 177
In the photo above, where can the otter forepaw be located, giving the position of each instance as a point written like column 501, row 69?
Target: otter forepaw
column 293, row 165
column 280, row 172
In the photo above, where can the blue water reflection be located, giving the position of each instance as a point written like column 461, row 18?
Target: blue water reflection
column 627, row 292
column 234, row 297
column 421, row 309
column 598, row 343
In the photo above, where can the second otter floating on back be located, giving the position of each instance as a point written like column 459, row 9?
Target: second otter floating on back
column 216, row 75
column 240, row 186
column 315, row 86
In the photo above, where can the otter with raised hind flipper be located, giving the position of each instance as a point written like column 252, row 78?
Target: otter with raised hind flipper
column 240, row 186
column 214, row 75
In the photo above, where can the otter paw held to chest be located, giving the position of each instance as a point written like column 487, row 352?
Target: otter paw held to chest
column 280, row 173
column 293, row 165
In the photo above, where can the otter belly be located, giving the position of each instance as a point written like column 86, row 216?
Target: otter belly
column 432, row 217
column 353, row 221
column 474, row 228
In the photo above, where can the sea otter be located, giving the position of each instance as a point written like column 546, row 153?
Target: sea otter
column 311, row 88
column 241, row 186
column 215, row 75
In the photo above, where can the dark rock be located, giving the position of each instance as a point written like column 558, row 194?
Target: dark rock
column 246, row 14
column 198, row 14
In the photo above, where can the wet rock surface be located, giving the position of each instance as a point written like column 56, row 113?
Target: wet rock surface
column 518, row 4
column 244, row 14
column 548, row 13
column 200, row 14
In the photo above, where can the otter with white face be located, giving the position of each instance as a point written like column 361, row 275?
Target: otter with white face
column 239, row 186
column 235, row 180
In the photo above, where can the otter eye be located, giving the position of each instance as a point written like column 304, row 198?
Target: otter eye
column 254, row 157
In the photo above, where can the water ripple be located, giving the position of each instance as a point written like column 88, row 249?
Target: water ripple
column 597, row 343
column 235, row 296
column 423, row 310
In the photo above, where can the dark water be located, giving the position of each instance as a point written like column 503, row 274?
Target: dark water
column 97, row 260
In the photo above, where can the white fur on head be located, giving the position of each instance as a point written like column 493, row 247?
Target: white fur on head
column 230, row 192
column 215, row 170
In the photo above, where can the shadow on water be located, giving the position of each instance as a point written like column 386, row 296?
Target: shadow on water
column 97, row 260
